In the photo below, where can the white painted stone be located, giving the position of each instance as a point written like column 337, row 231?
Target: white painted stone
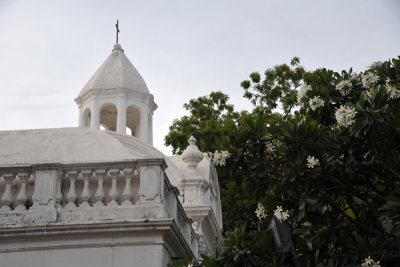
column 119, row 85
column 85, row 197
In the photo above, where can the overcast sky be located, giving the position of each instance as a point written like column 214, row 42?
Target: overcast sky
column 183, row 49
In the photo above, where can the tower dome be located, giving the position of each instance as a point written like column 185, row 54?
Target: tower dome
column 116, row 72
column 116, row 97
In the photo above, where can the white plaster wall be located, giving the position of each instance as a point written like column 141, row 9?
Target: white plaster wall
column 103, row 256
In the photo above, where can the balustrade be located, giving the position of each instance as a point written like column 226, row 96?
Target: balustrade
column 15, row 195
column 78, row 186
column 101, row 187
column 89, row 192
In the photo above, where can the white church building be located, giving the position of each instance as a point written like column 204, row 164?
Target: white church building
column 90, row 197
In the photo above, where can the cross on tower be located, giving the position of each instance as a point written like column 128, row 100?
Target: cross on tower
column 116, row 26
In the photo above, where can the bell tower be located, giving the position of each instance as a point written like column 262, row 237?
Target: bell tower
column 116, row 97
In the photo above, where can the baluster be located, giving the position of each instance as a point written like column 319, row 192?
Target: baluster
column 71, row 196
column 59, row 195
column 113, row 192
column 85, row 196
column 21, row 198
column 6, row 199
column 136, row 179
column 127, row 194
column 99, row 196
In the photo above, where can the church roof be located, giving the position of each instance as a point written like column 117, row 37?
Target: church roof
column 116, row 72
column 76, row 145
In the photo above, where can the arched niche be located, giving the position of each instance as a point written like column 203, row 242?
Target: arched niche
column 108, row 117
column 133, row 119
column 86, row 117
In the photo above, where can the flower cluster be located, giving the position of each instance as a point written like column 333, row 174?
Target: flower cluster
column 280, row 214
column 219, row 158
column 270, row 147
column 369, row 79
column 311, row 161
column 354, row 77
column 392, row 91
column 387, row 224
column 344, row 87
column 370, row 262
column 302, row 92
column 345, row 115
column 316, row 102
column 260, row 211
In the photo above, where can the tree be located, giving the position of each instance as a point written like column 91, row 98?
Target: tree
column 328, row 165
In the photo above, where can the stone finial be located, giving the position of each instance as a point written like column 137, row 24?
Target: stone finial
column 117, row 47
column 192, row 141
column 192, row 156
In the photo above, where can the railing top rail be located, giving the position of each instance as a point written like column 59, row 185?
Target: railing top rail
column 85, row 165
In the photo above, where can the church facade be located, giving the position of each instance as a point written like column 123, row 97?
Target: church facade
column 90, row 197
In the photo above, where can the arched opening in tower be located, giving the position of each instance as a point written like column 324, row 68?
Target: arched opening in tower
column 86, row 118
column 132, row 120
column 108, row 117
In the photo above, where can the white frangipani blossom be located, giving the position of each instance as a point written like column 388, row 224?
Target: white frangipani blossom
column 370, row 262
column 393, row 92
column 311, row 161
column 344, row 87
column 345, row 116
column 316, row 102
column 260, row 211
column 280, row 214
column 219, row 158
column 387, row 224
column 208, row 155
column 354, row 77
column 369, row 79
column 270, row 147
column 302, row 92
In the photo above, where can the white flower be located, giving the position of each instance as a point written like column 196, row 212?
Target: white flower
column 370, row 262
column 219, row 158
column 277, row 142
column 354, row 77
column 316, row 102
column 387, row 224
column 369, row 79
column 270, row 147
column 311, row 161
column 345, row 116
column 281, row 214
column 302, row 92
column 260, row 211
column 393, row 92
column 344, row 87
column 190, row 265
column 225, row 154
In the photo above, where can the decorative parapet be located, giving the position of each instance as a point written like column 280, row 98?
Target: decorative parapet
column 91, row 193
column 200, row 198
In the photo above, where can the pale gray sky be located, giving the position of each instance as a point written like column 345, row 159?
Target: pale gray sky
column 183, row 49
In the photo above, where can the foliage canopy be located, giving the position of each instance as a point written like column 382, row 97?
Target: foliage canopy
column 331, row 157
